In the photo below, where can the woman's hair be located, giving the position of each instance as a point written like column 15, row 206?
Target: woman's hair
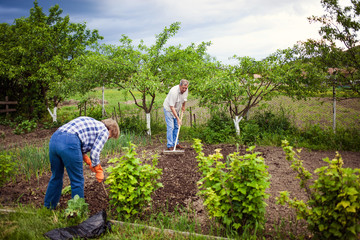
column 112, row 126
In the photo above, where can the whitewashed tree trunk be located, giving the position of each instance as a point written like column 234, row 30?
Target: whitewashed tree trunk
column 236, row 123
column 148, row 126
column 53, row 115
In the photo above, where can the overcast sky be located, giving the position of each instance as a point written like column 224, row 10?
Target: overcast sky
column 253, row 28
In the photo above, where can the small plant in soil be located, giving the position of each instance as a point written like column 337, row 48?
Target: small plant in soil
column 7, row 167
column 66, row 190
column 77, row 209
column 234, row 191
column 332, row 211
column 25, row 127
column 132, row 182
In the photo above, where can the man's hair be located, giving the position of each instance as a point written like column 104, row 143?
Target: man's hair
column 112, row 126
column 184, row 82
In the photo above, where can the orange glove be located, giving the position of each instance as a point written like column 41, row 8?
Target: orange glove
column 99, row 174
column 87, row 160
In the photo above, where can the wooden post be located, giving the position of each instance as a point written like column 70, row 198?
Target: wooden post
column 190, row 117
column 194, row 119
column 115, row 115
column 7, row 103
column 119, row 110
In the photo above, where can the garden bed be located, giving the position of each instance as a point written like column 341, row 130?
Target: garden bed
column 179, row 178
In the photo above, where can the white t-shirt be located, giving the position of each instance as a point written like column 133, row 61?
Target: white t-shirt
column 175, row 99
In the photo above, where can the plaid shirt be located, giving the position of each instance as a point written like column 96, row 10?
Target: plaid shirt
column 93, row 135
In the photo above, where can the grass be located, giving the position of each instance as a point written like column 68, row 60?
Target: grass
column 34, row 160
column 118, row 101
column 31, row 223
column 28, row 222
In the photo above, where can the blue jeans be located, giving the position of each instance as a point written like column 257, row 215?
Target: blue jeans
column 64, row 151
column 171, row 129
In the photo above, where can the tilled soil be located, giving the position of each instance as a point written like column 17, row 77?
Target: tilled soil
column 180, row 175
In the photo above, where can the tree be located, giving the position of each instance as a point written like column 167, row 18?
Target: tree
column 151, row 70
column 338, row 48
column 243, row 86
column 42, row 49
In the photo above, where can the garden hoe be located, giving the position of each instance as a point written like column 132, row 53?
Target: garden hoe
column 103, row 185
column 174, row 151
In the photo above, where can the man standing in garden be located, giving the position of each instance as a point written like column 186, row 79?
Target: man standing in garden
column 174, row 101
column 68, row 147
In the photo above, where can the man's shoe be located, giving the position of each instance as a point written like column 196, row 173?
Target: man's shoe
column 179, row 146
column 170, row 148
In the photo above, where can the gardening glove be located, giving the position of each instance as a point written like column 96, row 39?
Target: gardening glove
column 87, row 159
column 88, row 162
column 99, row 174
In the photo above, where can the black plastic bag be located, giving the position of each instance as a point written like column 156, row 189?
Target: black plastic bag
column 90, row 228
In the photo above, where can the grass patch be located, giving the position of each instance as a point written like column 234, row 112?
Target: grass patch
column 31, row 223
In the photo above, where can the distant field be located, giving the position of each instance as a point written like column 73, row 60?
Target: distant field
column 301, row 112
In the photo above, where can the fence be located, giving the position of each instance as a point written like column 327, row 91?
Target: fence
column 7, row 103
column 302, row 113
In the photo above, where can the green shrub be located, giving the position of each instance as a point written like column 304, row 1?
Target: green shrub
column 133, row 124
column 25, row 127
column 273, row 122
column 95, row 112
column 218, row 129
column 132, row 182
column 249, row 132
column 51, row 124
column 7, row 167
column 234, row 192
column 316, row 138
column 332, row 211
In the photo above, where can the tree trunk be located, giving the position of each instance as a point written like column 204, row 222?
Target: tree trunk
column 236, row 123
column 148, row 126
column 53, row 115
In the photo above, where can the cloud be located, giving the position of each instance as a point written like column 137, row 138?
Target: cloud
column 254, row 28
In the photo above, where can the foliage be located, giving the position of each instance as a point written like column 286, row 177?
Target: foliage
column 132, row 182
column 7, row 167
column 36, row 58
column 77, row 209
column 133, row 124
column 241, row 87
column 33, row 160
column 266, row 124
column 234, row 192
column 148, row 70
column 317, row 138
column 25, row 127
column 51, row 124
column 250, row 132
column 66, row 190
column 217, row 130
column 274, row 122
column 337, row 51
column 332, row 211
